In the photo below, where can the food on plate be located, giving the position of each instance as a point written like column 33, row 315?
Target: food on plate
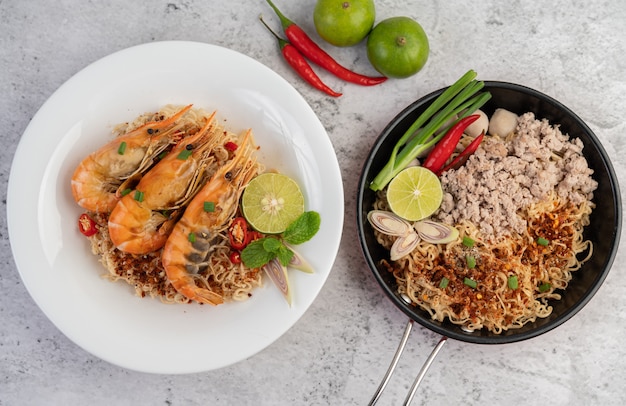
column 398, row 47
column 176, row 230
column 344, row 23
column 518, row 206
column 99, row 179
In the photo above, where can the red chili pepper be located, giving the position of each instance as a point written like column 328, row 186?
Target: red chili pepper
column 445, row 147
column 238, row 233
column 295, row 59
column 231, row 146
column 87, row 225
column 235, row 257
column 463, row 156
column 317, row 55
column 254, row 235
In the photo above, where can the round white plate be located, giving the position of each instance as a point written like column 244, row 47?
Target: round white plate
column 54, row 259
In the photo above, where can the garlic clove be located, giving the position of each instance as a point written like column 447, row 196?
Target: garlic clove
column 435, row 232
column 403, row 246
column 388, row 223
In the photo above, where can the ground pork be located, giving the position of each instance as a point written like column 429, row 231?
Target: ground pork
column 505, row 175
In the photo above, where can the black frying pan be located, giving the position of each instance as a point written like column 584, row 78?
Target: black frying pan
column 603, row 231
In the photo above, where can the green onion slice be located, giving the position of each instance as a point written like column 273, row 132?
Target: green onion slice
column 126, row 191
column 512, row 282
column 184, row 154
column 122, row 148
column 192, row 237
column 544, row 287
column 471, row 261
column 543, row 241
column 139, row 196
column 470, row 282
column 468, row 242
column 444, row 283
column 209, row 207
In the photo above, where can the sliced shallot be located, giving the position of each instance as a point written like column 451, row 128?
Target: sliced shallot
column 388, row 223
column 436, row 233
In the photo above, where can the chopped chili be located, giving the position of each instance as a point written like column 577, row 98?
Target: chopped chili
column 235, row 257
column 231, row 146
column 87, row 225
column 460, row 159
column 238, row 233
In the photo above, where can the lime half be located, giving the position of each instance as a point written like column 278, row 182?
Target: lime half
column 415, row 193
column 271, row 202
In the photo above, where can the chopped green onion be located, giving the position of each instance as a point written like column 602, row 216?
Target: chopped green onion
column 470, row 282
column 162, row 155
column 468, row 242
column 444, row 283
column 471, row 261
column 126, row 191
column 122, row 148
column 192, row 237
column 209, row 207
column 544, row 287
column 459, row 99
column 139, row 196
column 184, row 154
column 543, row 241
column 512, row 282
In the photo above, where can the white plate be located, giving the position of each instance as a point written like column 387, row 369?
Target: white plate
column 54, row 259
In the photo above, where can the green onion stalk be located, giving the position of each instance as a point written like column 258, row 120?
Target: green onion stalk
column 459, row 100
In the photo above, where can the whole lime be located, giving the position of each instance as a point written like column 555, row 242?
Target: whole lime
column 344, row 23
column 398, row 47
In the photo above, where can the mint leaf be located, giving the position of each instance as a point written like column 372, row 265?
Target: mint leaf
column 303, row 228
column 284, row 255
column 271, row 244
column 255, row 255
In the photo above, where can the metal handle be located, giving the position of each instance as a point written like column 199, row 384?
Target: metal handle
column 394, row 363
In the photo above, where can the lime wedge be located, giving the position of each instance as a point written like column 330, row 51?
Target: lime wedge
column 271, row 202
column 415, row 193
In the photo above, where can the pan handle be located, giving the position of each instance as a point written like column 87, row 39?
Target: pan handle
column 394, row 363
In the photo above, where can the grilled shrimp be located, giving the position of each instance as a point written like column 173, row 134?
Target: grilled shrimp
column 142, row 219
column 188, row 247
column 99, row 178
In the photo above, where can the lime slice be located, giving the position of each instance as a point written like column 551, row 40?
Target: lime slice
column 271, row 202
column 415, row 193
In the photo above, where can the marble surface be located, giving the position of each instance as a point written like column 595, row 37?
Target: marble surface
column 339, row 350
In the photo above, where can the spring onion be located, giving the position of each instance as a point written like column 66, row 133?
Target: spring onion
column 459, row 100
column 139, row 196
column 542, row 241
column 468, row 242
column 209, row 207
column 512, row 282
column 471, row 261
column 470, row 282
column 191, row 237
column 544, row 287
column 444, row 283
column 184, row 154
column 122, row 148
column 125, row 191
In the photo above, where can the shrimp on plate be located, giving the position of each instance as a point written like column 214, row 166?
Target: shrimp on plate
column 102, row 175
column 186, row 251
column 143, row 219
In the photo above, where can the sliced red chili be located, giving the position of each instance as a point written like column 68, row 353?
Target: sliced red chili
column 238, row 233
column 87, row 225
column 235, row 257
column 254, row 235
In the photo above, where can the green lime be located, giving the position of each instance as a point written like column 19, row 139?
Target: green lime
column 414, row 193
column 271, row 202
column 344, row 23
column 398, row 47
